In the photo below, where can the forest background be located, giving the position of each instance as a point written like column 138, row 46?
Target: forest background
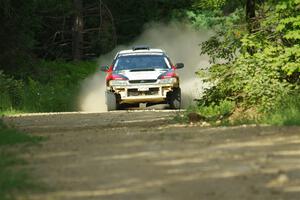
column 48, row 47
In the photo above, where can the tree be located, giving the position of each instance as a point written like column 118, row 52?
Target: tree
column 266, row 70
column 250, row 14
column 77, row 39
column 17, row 33
column 74, row 29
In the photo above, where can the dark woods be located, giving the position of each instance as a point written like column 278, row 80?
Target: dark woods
column 74, row 29
column 81, row 30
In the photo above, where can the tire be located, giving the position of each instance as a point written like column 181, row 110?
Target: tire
column 175, row 99
column 111, row 101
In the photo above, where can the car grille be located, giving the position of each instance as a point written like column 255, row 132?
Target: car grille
column 142, row 81
column 135, row 92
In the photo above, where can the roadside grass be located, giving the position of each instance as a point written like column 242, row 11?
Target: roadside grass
column 180, row 117
column 46, row 86
column 285, row 113
column 13, row 137
column 10, row 136
column 10, row 111
column 13, row 177
column 216, row 111
column 207, row 113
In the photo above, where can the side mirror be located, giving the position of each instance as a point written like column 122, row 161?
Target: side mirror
column 104, row 68
column 179, row 65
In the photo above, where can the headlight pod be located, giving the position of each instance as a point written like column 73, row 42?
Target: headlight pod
column 118, row 82
column 168, row 81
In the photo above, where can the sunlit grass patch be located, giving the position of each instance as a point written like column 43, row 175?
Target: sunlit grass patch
column 216, row 111
column 10, row 111
column 209, row 113
column 285, row 113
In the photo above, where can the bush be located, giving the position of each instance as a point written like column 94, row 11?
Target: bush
column 215, row 111
column 50, row 86
column 11, row 92
column 266, row 70
column 287, row 112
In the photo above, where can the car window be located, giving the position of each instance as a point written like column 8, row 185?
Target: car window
column 141, row 62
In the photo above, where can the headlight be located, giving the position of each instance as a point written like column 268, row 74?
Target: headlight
column 168, row 81
column 117, row 83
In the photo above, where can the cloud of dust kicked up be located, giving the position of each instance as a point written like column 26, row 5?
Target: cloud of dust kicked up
column 181, row 43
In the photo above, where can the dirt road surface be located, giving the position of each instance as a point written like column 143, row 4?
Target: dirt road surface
column 144, row 155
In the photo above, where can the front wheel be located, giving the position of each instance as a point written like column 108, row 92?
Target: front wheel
column 175, row 99
column 111, row 101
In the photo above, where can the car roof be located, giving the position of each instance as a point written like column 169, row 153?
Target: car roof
column 141, row 52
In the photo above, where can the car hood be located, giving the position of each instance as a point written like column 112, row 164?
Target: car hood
column 142, row 74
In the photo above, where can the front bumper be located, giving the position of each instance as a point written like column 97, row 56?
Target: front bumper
column 143, row 93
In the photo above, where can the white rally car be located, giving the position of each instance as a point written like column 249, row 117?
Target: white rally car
column 142, row 75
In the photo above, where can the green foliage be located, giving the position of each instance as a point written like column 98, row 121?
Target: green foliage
column 10, row 92
column 250, row 81
column 209, row 4
column 214, row 111
column 228, row 32
column 210, row 113
column 226, row 6
column 50, row 87
column 286, row 112
column 202, row 19
column 266, row 68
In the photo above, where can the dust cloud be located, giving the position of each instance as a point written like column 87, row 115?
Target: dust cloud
column 181, row 42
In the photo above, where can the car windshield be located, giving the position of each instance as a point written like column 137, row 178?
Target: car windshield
column 141, row 62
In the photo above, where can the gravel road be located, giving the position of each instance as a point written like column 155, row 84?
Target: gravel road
column 144, row 155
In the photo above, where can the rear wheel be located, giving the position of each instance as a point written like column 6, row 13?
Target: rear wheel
column 175, row 99
column 111, row 101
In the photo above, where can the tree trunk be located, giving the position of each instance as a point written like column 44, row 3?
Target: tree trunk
column 250, row 18
column 250, row 14
column 77, row 40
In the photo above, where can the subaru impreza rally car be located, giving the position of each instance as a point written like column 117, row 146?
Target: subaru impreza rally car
column 142, row 75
